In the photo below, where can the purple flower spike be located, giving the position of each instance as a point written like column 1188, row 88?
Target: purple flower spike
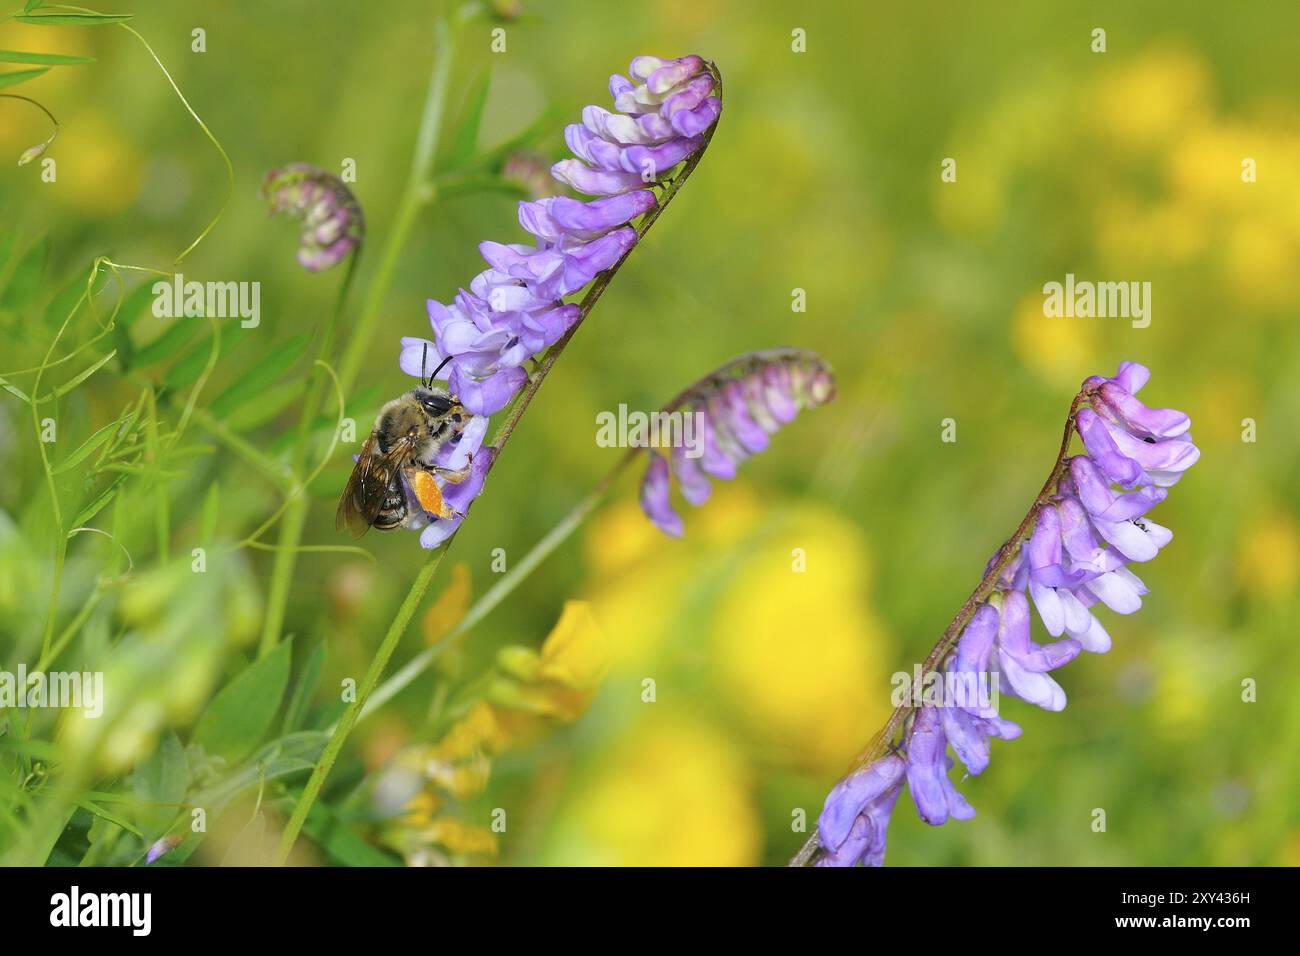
column 727, row 416
column 854, row 821
column 514, row 310
column 1087, row 527
column 661, row 121
column 935, row 797
column 331, row 217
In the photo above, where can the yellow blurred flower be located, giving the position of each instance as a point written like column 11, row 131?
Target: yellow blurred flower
column 559, row 681
column 632, row 580
column 467, row 736
column 99, row 168
column 795, row 646
column 449, row 607
column 460, row 837
column 575, row 653
column 1268, row 555
column 1144, row 102
column 1057, row 349
column 671, row 791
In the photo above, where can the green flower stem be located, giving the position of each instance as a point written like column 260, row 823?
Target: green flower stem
column 504, row 585
column 417, row 195
column 884, row 740
column 377, row 664
column 499, row 440
column 420, row 192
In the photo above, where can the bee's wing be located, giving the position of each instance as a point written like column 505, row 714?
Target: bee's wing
column 369, row 485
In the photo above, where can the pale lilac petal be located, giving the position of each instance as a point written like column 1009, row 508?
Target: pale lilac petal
column 655, row 498
column 489, row 396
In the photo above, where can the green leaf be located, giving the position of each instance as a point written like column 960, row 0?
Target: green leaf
column 211, row 508
column 241, row 714
column 27, row 277
column 471, row 121
column 165, row 345
column 252, row 382
column 15, row 390
column 50, row 59
column 14, row 77
column 162, row 779
column 295, row 715
column 274, row 400
column 78, row 379
column 73, row 19
column 364, row 400
column 31, row 5
column 66, row 299
column 96, row 504
column 190, row 366
column 110, row 817
column 133, row 304
column 87, row 447
column 338, row 840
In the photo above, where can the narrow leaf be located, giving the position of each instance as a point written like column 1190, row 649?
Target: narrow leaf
column 96, row 504
column 50, row 59
column 87, row 447
column 77, row 380
column 211, row 508
column 251, row 384
column 166, row 345
column 15, row 390
column 295, row 715
column 241, row 713
column 72, row 19
column 14, row 77
column 27, row 277
column 471, row 121
column 110, row 817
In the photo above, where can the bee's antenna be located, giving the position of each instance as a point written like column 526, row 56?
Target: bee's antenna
column 438, row 369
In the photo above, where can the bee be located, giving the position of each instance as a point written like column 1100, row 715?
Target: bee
column 393, row 482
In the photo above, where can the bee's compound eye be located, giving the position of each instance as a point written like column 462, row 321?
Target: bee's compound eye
column 436, row 405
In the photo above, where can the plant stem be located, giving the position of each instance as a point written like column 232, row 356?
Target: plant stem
column 504, row 585
column 499, row 441
column 884, row 740
column 418, row 193
column 332, row 747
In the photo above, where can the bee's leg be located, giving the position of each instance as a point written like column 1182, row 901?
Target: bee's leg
column 428, row 494
column 454, row 475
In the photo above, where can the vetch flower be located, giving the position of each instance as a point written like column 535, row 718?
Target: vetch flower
column 855, row 819
column 514, row 309
column 332, row 222
column 736, row 408
column 1070, row 554
column 928, row 763
column 454, row 456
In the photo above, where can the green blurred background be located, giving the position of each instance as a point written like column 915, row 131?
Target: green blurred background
column 824, row 175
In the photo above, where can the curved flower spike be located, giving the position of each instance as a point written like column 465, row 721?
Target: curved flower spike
column 512, row 310
column 1084, row 531
column 726, row 417
column 332, row 222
